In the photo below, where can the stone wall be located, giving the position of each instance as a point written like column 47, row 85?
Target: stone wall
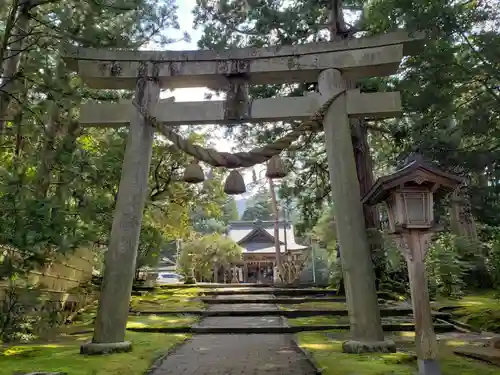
column 61, row 279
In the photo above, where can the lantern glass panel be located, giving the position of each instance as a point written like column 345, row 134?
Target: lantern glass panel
column 417, row 208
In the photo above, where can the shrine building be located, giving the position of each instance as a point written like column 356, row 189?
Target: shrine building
column 257, row 240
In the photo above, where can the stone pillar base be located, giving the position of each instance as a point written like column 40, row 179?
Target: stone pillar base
column 357, row 347
column 428, row 367
column 95, row 348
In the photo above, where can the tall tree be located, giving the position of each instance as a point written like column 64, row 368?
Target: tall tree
column 259, row 207
column 53, row 197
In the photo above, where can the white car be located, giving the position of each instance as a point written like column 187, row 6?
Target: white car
column 169, row 278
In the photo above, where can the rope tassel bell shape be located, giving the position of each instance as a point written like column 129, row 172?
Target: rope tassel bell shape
column 193, row 173
column 235, row 184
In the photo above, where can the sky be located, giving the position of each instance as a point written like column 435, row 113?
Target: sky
column 186, row 24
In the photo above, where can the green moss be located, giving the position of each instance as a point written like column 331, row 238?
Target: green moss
column 63, row 355
column 316, row 306
column 313, row 320
column 481, row 311
column 140, row 321
column 180, row 299
column 328, row 355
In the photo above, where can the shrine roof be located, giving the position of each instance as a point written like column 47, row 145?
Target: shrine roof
column 244, row 232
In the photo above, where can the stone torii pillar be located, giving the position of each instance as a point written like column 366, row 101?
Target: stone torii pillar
column 120, row 259
column 359, row 276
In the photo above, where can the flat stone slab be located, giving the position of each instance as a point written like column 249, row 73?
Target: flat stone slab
column 273, row 291
column 241, row 309
column 243, row 297
column 486, row 354
column 257, row 309
column 236, row 355
column 95, row 348
column 272, row 300
column 266, row 326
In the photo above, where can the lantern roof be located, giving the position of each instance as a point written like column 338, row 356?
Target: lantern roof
column 414, row 171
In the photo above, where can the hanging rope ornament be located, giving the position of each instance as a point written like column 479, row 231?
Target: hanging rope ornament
column 234, row 184
column 276, row 168
column 193, row 173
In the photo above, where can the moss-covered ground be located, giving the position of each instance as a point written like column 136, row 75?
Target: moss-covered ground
column 315, row 306
column 61, row 351
column 481, row 311
column 178, row 299
column 63, row 355
column 326, row 350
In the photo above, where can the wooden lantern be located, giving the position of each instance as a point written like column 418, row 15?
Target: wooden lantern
column 234, row 184
column 276, row 168
column 193, row 173
column 409, row 194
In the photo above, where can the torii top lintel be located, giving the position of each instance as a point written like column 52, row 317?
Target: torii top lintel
column 356, row 58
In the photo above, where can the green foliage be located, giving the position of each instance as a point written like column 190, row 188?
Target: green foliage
column 325, row 231
column 451, row 113
column 201, row 254
column 493, row 263
column 59, row 182
column 445, row 267
column 25, row 314
column 259, row 207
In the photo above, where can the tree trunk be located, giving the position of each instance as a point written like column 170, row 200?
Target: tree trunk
column 12, row 57
column 364, row 169
column 52, row 129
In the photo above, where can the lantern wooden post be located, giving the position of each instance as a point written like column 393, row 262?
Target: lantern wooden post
column 409, row 196
column 414, row 245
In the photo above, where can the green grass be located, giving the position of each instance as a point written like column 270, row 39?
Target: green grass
column 481, row 311
column 63, row 355
column 328, row 355
column 180, row 299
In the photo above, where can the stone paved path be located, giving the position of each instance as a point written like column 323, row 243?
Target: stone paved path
column 241, row 354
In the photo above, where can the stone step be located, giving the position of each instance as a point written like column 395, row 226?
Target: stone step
column 282, row 292
column 272, row 300
column 274, row 291
column 285, row 313
column 214, row 286
column 485, row 354
column 407, row 327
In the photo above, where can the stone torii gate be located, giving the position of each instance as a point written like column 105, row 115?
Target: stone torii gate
column 328, row 63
